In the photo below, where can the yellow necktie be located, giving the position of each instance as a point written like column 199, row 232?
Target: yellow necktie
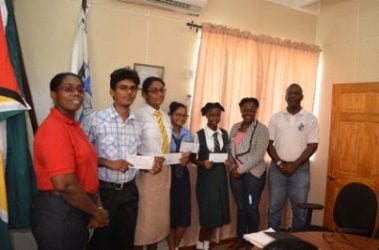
column 162, row 128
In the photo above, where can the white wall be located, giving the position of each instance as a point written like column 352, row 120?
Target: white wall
column 348, row 34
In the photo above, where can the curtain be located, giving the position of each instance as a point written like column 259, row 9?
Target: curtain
column 233, row 64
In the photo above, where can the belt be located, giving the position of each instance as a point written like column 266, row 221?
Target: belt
column 116, row 186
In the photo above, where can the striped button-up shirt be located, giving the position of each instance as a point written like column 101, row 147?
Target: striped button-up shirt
column 113, row 139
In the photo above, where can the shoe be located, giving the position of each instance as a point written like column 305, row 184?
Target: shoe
column 239, row 243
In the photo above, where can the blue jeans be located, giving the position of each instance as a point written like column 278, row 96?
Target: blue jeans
column 56, row 225
column 296, row 188
column 247, row 193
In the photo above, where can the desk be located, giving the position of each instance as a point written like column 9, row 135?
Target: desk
column 336, row 241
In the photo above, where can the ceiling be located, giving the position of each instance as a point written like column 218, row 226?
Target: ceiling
column 309, row 6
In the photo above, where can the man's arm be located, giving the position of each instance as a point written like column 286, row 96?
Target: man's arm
column 290, row 168
column 119, row 165
column 272, row 151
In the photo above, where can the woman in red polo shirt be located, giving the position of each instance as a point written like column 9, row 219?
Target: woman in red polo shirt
column 65, row 164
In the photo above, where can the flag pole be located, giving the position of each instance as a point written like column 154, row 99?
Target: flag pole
column 80, row 61
column 84, row 5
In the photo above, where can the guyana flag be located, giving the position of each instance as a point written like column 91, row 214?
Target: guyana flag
column 16, row 171
column 10, row 96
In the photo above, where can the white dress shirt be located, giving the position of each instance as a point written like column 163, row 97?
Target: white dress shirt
column 152, row 139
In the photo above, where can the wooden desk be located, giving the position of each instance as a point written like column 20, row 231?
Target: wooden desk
column 337, row 241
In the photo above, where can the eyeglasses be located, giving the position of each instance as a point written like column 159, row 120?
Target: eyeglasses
column 181, row 115
column 157, row 91
column 71, row 89
column 127, row 88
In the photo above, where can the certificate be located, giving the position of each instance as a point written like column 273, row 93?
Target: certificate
column 218, row 157
column 173, row 158
column 141, row 161
column 259, row 239
column 192, row 147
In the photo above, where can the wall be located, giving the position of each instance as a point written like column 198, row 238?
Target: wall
column 348, row 34
column 120, row 34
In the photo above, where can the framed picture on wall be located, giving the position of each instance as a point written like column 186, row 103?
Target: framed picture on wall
column 144, row 71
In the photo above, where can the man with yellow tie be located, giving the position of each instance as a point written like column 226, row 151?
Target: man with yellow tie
column 153, row 222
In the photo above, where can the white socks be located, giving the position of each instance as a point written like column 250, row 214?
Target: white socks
column 206, row 245
column 199, row 245
column 202, row 245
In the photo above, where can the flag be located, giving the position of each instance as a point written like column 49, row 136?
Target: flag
column 10, row 97
column 18, row 186
column 8, row 87
column 4, row 233
column 80, row 62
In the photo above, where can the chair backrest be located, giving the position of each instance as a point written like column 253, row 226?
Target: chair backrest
column 290, row 244
column 355, row 209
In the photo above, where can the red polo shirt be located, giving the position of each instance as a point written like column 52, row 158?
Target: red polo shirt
column 61, row 147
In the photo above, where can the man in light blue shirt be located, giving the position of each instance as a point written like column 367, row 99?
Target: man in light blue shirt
column 116, row 133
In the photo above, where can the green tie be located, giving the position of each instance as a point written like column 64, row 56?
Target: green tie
column 162, row 128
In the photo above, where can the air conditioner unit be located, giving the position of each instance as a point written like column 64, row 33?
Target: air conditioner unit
column 192, row 7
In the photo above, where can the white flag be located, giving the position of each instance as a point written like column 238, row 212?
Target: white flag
column 80, row 62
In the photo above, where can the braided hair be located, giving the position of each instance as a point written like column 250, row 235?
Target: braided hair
column 211, row 105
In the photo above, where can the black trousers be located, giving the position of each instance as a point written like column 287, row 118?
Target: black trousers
column 56, row 225
column 122, row 205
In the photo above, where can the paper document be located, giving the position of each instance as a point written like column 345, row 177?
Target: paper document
column 141, row 161
column 259, row 239
column 192, row 147
column 218, row 157
column 173, row 158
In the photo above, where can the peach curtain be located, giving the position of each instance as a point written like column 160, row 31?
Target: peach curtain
column 234, row 64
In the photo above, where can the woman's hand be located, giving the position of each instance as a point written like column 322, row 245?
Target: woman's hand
column 207, row 164
column 157, row 166
column 228, row 162
column 99, row 219
column 234, row 173
column 184, row 159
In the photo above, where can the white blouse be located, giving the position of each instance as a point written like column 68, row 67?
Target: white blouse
column 151, row 135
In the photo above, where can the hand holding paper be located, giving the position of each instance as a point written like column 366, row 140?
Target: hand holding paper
column 184, row 159
column 141, row 161
column 157, row 166
column 177, row 158
column 192, row 147
column 172, row 158
column 218, row 157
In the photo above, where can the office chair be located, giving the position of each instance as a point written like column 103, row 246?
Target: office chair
column 355, row 209
column 310, row 207
column 289, row 244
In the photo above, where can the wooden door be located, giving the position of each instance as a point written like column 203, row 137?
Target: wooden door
column 354, row 141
